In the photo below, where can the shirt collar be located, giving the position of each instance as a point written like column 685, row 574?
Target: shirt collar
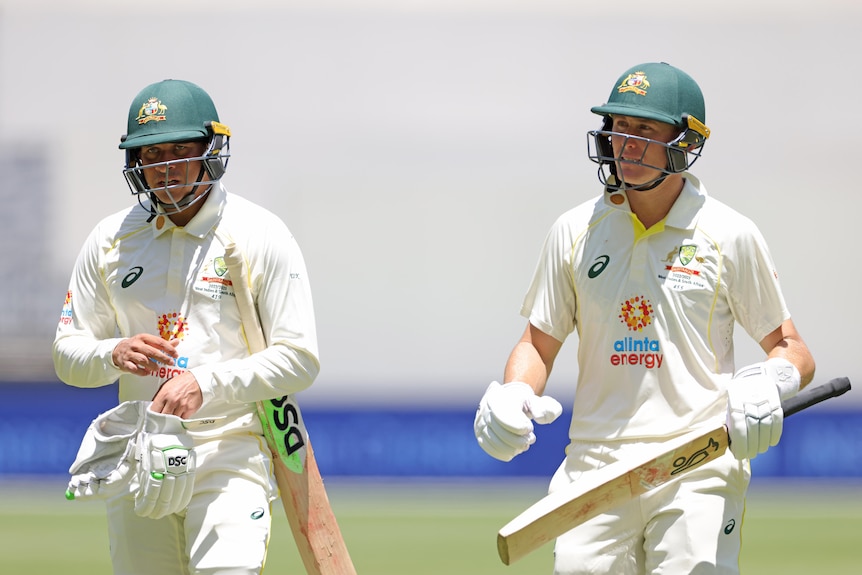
column 683, row 213
column 204, row 221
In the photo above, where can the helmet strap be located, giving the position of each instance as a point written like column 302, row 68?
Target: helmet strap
column 184, row 202
column 648, row 186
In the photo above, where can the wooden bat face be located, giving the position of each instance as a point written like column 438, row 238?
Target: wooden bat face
column 605, row 489
column 613, row 485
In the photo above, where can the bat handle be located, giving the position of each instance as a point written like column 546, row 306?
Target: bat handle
column 814, row 395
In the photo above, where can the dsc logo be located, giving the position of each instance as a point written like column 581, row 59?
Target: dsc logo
column 178, row 460
column 286, row 419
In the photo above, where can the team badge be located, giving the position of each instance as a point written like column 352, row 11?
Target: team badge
column 678, row 276
column 219, row 266
column 152, row 111
column 636, row 83
column 686, row 254
column 213, row 280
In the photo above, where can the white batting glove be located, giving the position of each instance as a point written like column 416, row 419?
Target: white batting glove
column 755, row 419
column 504, row 420
column 166, row 466
column 104, row 465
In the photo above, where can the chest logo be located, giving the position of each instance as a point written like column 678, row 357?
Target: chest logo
column 219, row 266
column 598, row 267
column 173, row 326
column 66, row 314
column 636, row 313
column 686, row 254
column 677, row 275
column 132, row 276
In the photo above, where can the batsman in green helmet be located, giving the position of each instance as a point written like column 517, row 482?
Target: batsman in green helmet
column 182, row 463
column 174, row 154
column 653, row 275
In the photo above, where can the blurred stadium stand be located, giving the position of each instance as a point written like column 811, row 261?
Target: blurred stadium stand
column 44, row 438
column 32, row 292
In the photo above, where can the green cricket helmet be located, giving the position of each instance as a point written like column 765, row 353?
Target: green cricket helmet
column 653, row 91
column 174, row 111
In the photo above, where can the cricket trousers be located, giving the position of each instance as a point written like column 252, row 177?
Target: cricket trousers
column 689, row 526
column 225, row 529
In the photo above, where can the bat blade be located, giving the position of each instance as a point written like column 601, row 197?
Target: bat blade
column 303, row 495
column 611, row 486
column 312, row 521
column 605, row 489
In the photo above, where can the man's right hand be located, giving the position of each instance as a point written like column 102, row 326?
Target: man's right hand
column 140, row 353
column 504, row 420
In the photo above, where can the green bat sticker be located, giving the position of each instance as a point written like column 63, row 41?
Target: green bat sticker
column 285, row 430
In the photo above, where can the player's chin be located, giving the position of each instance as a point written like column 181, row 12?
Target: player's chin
column 637, row 175
column 172, row 195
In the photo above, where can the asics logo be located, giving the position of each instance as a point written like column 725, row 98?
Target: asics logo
column 132, row 276
column 598, row 267
column 728, row 529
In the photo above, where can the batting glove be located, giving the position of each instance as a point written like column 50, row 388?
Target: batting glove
column 166, row 466
column 104, row 465
column 504, row 420
column 755, row 419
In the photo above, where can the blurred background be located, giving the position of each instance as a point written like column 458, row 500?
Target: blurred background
column 419, row 151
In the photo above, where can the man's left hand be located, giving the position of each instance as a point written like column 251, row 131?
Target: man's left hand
column 180, row 396
column 755, row 419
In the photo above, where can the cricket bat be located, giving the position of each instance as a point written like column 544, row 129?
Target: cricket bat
column 611, row 486
column 303, row 495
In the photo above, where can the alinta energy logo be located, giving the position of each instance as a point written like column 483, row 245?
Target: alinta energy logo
column 637, row 313
column 172, row 325
column 66, row 313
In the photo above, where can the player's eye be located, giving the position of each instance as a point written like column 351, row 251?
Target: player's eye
column 150, row 154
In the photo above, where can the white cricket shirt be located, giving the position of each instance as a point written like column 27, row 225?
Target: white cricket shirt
column 654, row 310
column 137, row 276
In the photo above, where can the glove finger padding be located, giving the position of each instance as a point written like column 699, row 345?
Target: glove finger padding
column 104, row 465
column 497, row 441
column 503, row 425
column 544, row 409
column 166, row 466
column 755, row 418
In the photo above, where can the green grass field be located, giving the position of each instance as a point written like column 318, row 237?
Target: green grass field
column 431, row 528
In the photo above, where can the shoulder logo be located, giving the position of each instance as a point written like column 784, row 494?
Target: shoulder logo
column 152, row 111
column 599, row 266
column 132, row 276
column 636, row 83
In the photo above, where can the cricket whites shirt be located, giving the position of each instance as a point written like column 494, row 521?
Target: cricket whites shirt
column 142, row 274
column 654, row 310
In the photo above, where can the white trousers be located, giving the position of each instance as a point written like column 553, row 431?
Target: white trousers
column 690, row 525
column 225, row 529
